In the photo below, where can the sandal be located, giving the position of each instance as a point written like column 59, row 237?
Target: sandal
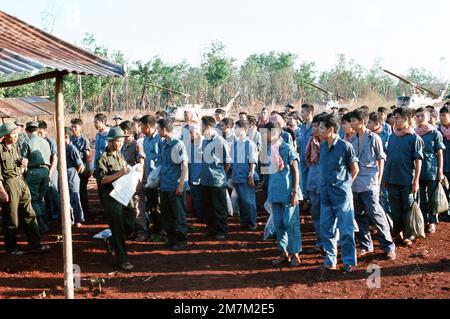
column 281, row 260
column 127, row 266
column 295, row 262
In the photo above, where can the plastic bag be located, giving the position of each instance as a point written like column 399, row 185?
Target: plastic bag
column 125, row 187
column 414, row 223
column 154, row 178
column 103, row 234
column 269, row 230
column 439, row 201
column 229, row 205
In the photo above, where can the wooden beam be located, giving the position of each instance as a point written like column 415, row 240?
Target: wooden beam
column 36, row 78
column 64, row 190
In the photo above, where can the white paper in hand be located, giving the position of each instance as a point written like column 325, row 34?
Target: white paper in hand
column 125, row 187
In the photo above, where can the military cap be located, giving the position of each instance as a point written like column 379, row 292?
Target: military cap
column 7, row 128
column 32, row 125
column 114, row 133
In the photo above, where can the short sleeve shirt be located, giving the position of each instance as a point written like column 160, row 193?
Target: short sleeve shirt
column 215, row 154
column 173, row 153
column 433, row 143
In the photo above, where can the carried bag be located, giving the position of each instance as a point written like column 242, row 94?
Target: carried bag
column 439, row 201
column 414, row 222
column 154, row 178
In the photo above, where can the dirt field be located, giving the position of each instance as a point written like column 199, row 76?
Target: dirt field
column 238, row 268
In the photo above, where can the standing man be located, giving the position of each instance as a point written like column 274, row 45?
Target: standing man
column 306, row 130
column 37, row 151
column 21, row 136
column 339, row 166
column 15, row 195
column 81, row 142
column 173, row 186
column 117, row 119
column 444, row 128
column 152, row 161
column 52, row 200
column 100, row 145
column 219, row 116
column 213, row 179
column 403, row 169
column 133, row 152
column 111, row 167
column 366, row 188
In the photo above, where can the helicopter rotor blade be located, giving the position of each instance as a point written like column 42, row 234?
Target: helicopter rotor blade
column 400, row 78
column 431, row 93
column 320, row 89
column 182, row 94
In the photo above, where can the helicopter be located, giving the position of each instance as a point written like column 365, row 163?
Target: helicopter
column 334, row 98
column 420, row 97
column 176, row 113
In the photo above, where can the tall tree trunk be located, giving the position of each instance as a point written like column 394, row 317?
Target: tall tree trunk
column 144, row 93
column 80, row 95
column 111, row 92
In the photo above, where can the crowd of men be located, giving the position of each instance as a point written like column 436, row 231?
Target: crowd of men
column 353, row 169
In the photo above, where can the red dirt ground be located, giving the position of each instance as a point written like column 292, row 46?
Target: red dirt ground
column 240, row 267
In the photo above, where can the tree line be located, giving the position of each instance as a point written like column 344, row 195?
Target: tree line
column 267, row 79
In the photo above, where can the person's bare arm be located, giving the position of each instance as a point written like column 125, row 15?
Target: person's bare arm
column 354, row 169
column 4, row 197
column 251, row 181
column 112, row 178
column 183, row 177
column 53, row 164
column 440, row 156
column 418, row 171
column 380, row 171
column 295, row 181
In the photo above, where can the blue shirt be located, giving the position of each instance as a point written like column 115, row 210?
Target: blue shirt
column 401, row 154
column 336, row 181
column 387, row 129
column 82, row 144
column 257, row 139
column 287, row 137
column 173, row 153
column 302, row 142
column 100, row 145
column 313, row 182
column 446, row 152
column 215, row 155
column 53, row 146
column 73, row 159
column 368, row 154
column 244, row 153
column 433, row 143
column 195, row 161
column 281, row 183
column 152, row 153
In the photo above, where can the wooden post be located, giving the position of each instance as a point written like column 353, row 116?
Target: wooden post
column 64, row 190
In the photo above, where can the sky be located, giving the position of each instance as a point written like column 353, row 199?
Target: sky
column 403, row 33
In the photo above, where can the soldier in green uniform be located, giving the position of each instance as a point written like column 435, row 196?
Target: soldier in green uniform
column 21, row 136
column 37, row 151
column 121, row 219
column 15, row 196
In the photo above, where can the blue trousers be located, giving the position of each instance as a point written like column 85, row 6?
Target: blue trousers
column 247, row 204
column 196, row 197
column 304, row 171
column 427, row 189
column 368, row 210
column 75, row 200
column 384, row 200
column 401, row 200
column 52, row 199
column 315, row 212
column 287, row 224
column 338, row 213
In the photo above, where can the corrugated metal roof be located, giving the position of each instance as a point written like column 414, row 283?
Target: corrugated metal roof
column 28, row 106
column 24, row 48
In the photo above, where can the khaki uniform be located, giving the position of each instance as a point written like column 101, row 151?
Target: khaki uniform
column 37, row 151
column 121, row 219
column 19, row 205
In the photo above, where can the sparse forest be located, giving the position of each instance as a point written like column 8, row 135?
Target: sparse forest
column 268, row 79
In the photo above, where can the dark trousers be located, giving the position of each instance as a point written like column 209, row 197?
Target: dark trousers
column 121, row 220
column 196, row 196
column 173, row 213
column 153, row 206
column 84, row 181
column 427, row 189
column 401, row 200
column 214, row 201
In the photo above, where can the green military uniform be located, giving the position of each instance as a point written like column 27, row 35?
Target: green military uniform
column 37, row 151
column 19, row 204
column 121, row 219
